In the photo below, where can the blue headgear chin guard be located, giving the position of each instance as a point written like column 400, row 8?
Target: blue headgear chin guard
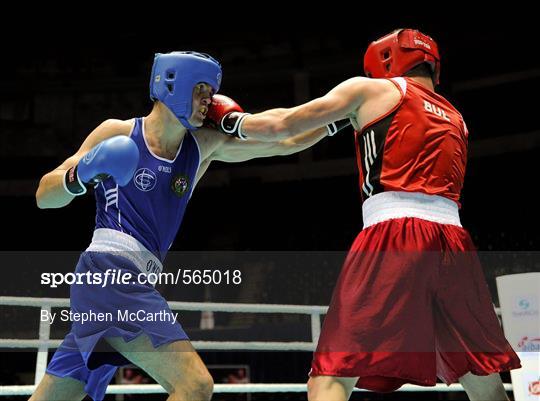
column 174, row 75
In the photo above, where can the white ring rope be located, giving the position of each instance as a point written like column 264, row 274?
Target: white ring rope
column 186, row 306
column 236, row 388
column 44, row 343
column 199, row 345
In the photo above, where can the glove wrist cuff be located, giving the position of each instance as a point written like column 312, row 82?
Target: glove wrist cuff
column 72, row 182
column 336, row 126
column 232, row 125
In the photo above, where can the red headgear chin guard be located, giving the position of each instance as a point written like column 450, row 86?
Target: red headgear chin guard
column 400, row 51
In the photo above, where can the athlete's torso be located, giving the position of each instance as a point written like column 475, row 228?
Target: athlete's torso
column 419, row 146
column 151, row 207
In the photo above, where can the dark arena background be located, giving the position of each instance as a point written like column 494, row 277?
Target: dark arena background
column 286, row 222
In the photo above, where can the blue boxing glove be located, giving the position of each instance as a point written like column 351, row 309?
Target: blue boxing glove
column 116, row 157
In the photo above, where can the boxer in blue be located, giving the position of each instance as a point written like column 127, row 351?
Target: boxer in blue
column 143, row 172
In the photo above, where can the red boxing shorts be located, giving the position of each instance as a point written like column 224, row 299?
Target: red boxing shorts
column 411, row 303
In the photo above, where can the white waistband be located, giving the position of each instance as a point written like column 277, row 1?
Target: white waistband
column 122, row 244
column 395, row 205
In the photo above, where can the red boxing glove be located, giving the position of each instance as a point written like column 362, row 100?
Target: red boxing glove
column 225, row 115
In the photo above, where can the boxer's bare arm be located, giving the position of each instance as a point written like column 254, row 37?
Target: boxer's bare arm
column 51, row 192
column 347, row 100
column 235, row 150
column 216, row 146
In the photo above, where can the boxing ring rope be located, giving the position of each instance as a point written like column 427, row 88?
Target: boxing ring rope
column 44, row 343
column 234, row 388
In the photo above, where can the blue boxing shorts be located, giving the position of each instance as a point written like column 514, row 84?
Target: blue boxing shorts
column 84, row 354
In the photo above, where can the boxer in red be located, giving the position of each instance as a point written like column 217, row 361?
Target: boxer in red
column 411, row 303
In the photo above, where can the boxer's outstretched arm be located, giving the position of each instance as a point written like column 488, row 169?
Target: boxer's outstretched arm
column 344, row 101
column 236, row 150
column 278, row 124
column 348, row 100
column 225, row 110
column 51, row 192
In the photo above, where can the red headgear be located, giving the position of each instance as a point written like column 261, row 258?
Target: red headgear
column 400, row 51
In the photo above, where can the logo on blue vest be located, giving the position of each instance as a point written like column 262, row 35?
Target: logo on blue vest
column 179, row 185
column 145, row 179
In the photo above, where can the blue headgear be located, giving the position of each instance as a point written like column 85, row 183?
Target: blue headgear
column 174, row 75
